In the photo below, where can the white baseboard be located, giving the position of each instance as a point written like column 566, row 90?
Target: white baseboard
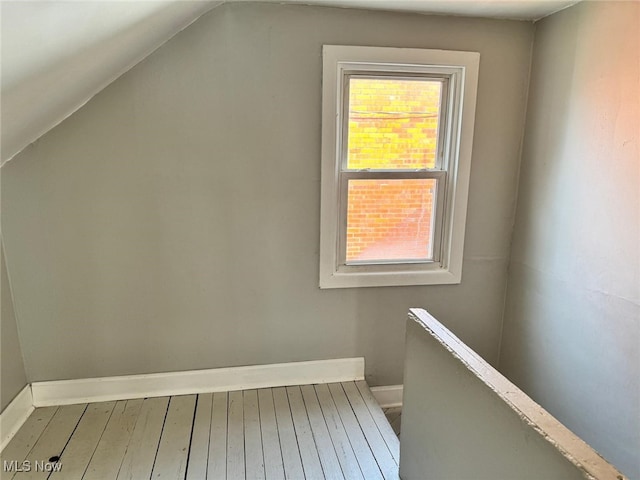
column 388, row 397
column 14, row 416
column 67, row 392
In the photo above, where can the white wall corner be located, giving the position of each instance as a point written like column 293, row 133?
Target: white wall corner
column 388, row 396
column 14, row 416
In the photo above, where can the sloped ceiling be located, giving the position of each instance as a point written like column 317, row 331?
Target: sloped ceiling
column 57, row 54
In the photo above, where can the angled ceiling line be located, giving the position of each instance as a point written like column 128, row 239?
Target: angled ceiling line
column 29, row 106
column 58, row 54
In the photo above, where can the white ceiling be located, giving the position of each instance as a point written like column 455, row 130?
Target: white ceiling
column 57, row 54
column 507, row 9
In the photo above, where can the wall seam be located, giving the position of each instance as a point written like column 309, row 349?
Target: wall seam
column 15, row 309
column 517, row 197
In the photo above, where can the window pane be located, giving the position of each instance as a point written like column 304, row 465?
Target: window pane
column 393, row 123
column 390, row 219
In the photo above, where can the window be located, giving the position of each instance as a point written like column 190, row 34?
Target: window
column 397, row 131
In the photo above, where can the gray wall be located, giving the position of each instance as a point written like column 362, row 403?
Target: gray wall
column 173, row 222
column 12, row 374
column 462, row 420
column 572, row 319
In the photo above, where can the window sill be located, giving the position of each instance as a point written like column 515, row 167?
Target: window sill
column 389, row 279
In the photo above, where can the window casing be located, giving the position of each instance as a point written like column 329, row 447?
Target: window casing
column 426, row 189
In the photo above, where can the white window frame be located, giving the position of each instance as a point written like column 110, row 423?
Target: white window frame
column 455, row 138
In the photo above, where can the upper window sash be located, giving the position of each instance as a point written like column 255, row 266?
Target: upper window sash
column 417, row 74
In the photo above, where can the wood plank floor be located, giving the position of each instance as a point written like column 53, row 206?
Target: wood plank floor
column 333, row 431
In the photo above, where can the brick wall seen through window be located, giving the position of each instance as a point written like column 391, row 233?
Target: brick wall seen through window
column 393, row 124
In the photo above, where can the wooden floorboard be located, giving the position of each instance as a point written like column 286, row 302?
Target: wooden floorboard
column 199, row 448
column 107, row 459
column 217, row 466
column 143, row 446
column 363, row 453
column 326, row 451
column 273, row 463
column 341, row 444
column 78, row 453
column 374, row 438
column 235, row 437
column 53, row 440
column 24, row 440
column 309, row 449
column 288, row 441
column 380, row 420
column 254, row 458
column 173, row 451
column 308, row 432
